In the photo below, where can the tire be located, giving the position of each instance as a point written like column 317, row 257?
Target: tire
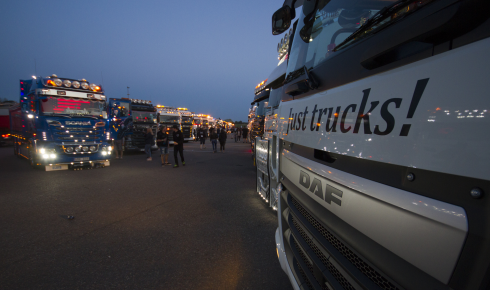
column 31, row 159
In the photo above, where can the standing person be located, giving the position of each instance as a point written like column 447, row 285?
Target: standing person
column 213, row 136
column 195, row 135
column 202, row 138
column 239, row 134
column 162, row 142
column 178, row 145
column 148, row 142
column 245, row 133
column 118, row 143
column 222, row 140
column 218, row 130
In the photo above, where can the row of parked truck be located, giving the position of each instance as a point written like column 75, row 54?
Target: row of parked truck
column 62, row 123
column 370, row 139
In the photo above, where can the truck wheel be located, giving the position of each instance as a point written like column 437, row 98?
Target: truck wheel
column 31, row 159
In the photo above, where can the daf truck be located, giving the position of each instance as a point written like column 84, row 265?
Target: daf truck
column 61, row 123
column 379, row 156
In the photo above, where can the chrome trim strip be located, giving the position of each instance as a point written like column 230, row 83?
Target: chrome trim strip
column 448, row 214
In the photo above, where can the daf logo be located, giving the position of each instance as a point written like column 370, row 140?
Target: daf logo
column 77, row 123
column 316, row 187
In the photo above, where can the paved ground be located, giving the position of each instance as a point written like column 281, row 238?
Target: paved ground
column 138, row 225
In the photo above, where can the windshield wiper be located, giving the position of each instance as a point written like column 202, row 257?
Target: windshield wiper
column 87, row 116
column 377, row 18
column 59, row 115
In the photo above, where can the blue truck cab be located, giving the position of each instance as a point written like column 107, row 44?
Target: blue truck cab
column 129, row 120
column 61, row 123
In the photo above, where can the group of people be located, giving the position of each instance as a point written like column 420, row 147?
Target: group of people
column 163, row 143
column 239, row 133
column 214, row 135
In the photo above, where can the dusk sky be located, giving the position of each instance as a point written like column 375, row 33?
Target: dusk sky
column 207, row 56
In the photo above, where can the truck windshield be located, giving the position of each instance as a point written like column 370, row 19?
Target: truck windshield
column 169, row 119
column 197, row 121
column 324, row 24
column 144, row 117
column 186, row 120
column 260, row 111
column 52, row 105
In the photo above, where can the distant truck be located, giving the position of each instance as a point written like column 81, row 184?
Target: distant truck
column 6, row 137
column 168, row 117
column 201, row 122
column 61, row 123
column 186, row 122
column 135, row 121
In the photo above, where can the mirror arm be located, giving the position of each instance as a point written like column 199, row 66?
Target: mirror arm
column 293, row 3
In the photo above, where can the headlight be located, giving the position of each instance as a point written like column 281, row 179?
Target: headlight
column 84, row 85
column 85, row 148
column 104, row 153
column 52, row 156
column 75, row 84
column 92, row 87
column 93, row 148
column 42, row 150
column 78, row 149
column 67, row 83
column 109, row 148
column 58, row 82
column 69, row 149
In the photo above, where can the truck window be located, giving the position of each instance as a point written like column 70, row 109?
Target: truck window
column 169, row 119
column 186, row 120
column 124, row 110
column 52, row 105
column 260, row 111
column 324, row 25
column 143, row 117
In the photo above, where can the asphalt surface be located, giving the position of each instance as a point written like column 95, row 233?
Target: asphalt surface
column 138, row 225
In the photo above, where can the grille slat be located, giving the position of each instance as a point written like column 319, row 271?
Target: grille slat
column 330, row 267
column 353, row 258
column 309, row 266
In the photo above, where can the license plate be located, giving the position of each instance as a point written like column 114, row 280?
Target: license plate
column 82, row 159
column 56, row 167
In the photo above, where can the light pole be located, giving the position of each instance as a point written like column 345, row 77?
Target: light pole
column 128, row 92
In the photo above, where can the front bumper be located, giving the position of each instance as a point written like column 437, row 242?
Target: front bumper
column 281, row 255
column 78, row 165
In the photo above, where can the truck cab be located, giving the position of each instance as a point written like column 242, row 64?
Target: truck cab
column 168, row 117
column 130, row 118
column 377, row 98
column 186, row 120
column 61, row 123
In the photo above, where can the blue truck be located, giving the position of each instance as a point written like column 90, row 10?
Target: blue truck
column 129, row 120
column 61, row 123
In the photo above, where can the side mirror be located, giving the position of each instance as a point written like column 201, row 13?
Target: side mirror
column 281, row 20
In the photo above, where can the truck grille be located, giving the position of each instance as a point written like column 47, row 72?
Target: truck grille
column 138, row 139
column 186, row 131
column 320, row 260
column 77, row 133
column 362, row 266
